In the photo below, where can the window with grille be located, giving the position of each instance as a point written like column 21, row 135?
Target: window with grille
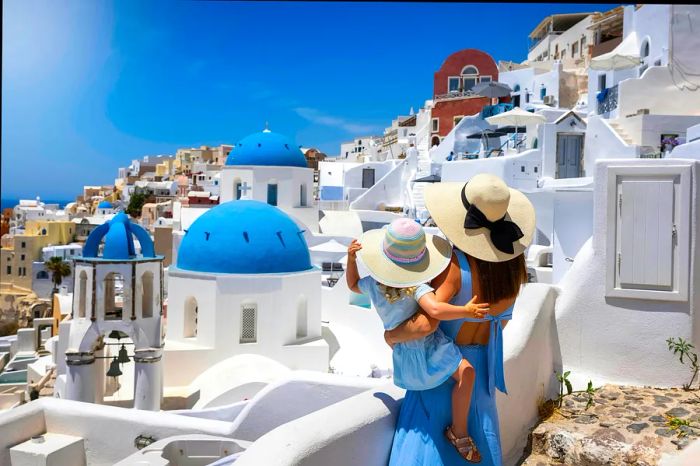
column 249, row 317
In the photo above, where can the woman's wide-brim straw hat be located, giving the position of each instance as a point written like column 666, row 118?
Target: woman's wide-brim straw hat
column 484, row 217
column 403, row 255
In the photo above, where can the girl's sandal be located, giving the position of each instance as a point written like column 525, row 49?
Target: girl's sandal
column 465, row 446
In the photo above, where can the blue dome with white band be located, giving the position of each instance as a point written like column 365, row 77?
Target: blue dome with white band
column 267, row 149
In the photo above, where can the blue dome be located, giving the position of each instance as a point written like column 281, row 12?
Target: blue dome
column 266, row 148
column 104, row 205
column 118, row 235
column 245, row 237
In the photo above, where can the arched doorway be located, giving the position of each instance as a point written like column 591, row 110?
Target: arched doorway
column 113, row 296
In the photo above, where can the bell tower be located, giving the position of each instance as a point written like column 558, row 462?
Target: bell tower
column 118, row 296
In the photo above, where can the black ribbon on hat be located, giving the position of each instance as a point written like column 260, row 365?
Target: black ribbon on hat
column 503, row 232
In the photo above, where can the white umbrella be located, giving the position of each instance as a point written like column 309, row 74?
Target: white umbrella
column 625, row 55
column 516, row 117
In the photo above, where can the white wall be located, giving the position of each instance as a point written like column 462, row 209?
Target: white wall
column 573, row 226
column 603, row 142
column 622, row 340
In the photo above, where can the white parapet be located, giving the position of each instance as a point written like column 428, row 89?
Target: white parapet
column 49, row 450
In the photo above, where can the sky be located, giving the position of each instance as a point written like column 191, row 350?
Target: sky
column 89, row 85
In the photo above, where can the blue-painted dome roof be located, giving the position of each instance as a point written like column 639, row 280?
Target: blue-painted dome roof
column 118, row 236
column 244, row 237
column 266, row 148
column 104, row 205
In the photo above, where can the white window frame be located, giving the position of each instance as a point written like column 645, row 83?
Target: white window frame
column 459, row 84
column 435, row 125
column 681, row 253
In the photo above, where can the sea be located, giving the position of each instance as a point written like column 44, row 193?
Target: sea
column 12, row 202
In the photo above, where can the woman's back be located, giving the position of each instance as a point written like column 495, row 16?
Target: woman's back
column 458, row 286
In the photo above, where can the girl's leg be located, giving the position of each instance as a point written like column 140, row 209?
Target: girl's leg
column 462, row 397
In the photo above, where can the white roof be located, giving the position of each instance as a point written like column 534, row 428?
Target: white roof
column 329, row 246
column 625, row 55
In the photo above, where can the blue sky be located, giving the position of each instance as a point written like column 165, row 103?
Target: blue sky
column 89, row 85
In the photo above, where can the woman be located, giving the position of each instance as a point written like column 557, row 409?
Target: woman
column 490, row 226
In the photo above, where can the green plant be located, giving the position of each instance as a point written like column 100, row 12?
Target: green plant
column 677, row 425
column 686, row 355
column 136, row 202
column 59, row 269
column 565, row 382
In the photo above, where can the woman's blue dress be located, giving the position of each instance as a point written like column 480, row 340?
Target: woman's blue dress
column 419, row 439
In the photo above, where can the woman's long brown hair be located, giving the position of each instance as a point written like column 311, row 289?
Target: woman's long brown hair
column 500, row 280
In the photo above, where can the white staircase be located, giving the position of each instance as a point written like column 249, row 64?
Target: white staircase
column 621, row 132
column 419, row 201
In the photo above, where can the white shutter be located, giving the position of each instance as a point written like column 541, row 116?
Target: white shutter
column 646, row 234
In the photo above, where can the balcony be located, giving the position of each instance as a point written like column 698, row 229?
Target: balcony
column 605, row 47
column 491, row 110
column 455, row 95
column 536, row 41
column 607, row 100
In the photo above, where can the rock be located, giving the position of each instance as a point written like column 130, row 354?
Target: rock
column 586, row 419
column 609, row 395
column 601, row 452
column 681, row 442
column 618, row 404
column 660, row 405
column 581, row 398
column 678, row 412
column 664, row 432
column 568, row 403
column 633, row 397
column 608, row 434
column 662, row 399
column 605, row 424
column 657, row 419
column 637, row 427
column 560, row 445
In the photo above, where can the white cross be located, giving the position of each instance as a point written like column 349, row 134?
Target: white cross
column 244, row 190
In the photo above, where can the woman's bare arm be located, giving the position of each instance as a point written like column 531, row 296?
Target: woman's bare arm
column 421, row 324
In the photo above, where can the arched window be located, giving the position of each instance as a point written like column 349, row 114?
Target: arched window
column 42, row 275
column 470, row 76
column 147, row 294
column 302, row 195
column 113, row 296
column 302, row 317
column 249, row 322
column 82, row 284
column 645, row 49
column 191, row 311
column 435, row 141
column 516, row 88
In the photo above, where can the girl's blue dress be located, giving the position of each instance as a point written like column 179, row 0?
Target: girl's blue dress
column 419, row 439
column 418, row 364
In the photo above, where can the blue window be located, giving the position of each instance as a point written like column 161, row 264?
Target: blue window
column 272, row 194
column 543, row 92
column 516, row 88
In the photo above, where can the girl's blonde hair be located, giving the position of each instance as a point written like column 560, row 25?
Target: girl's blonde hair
column 393, row 294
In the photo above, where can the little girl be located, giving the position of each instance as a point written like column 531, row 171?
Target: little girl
column 401, row 259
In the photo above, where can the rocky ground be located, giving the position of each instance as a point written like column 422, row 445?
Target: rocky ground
column 623, row 426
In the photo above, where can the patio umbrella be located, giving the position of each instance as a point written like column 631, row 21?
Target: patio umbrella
column 492, row 89
column 428, row 179
column 516, row 117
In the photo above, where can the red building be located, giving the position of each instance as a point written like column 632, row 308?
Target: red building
column 452, row 95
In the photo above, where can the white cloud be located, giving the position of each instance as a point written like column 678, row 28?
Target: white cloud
column 316, row 116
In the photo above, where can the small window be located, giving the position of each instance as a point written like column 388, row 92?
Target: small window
column 9, row 270
column 485, row 79
column 522, row 168
column 435, row 125
column 191, row 318
column 645, row 49
column 42, row 275
column 574, row 49
column 543, row 92
column 24, row 245
column 535, row 169
column 21, row 257
column 453, row 84
column 516, row 88
column 272, row 194
column 583, row 45
column 469, row 70
column 249, row 317
column 601, row 81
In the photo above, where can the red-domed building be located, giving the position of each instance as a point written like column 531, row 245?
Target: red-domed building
column 452, row 85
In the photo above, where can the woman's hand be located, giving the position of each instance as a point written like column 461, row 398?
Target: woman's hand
column 353, row 248
column 477, row 310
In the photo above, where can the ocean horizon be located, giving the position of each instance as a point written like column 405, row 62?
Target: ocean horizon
column 11, row 202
